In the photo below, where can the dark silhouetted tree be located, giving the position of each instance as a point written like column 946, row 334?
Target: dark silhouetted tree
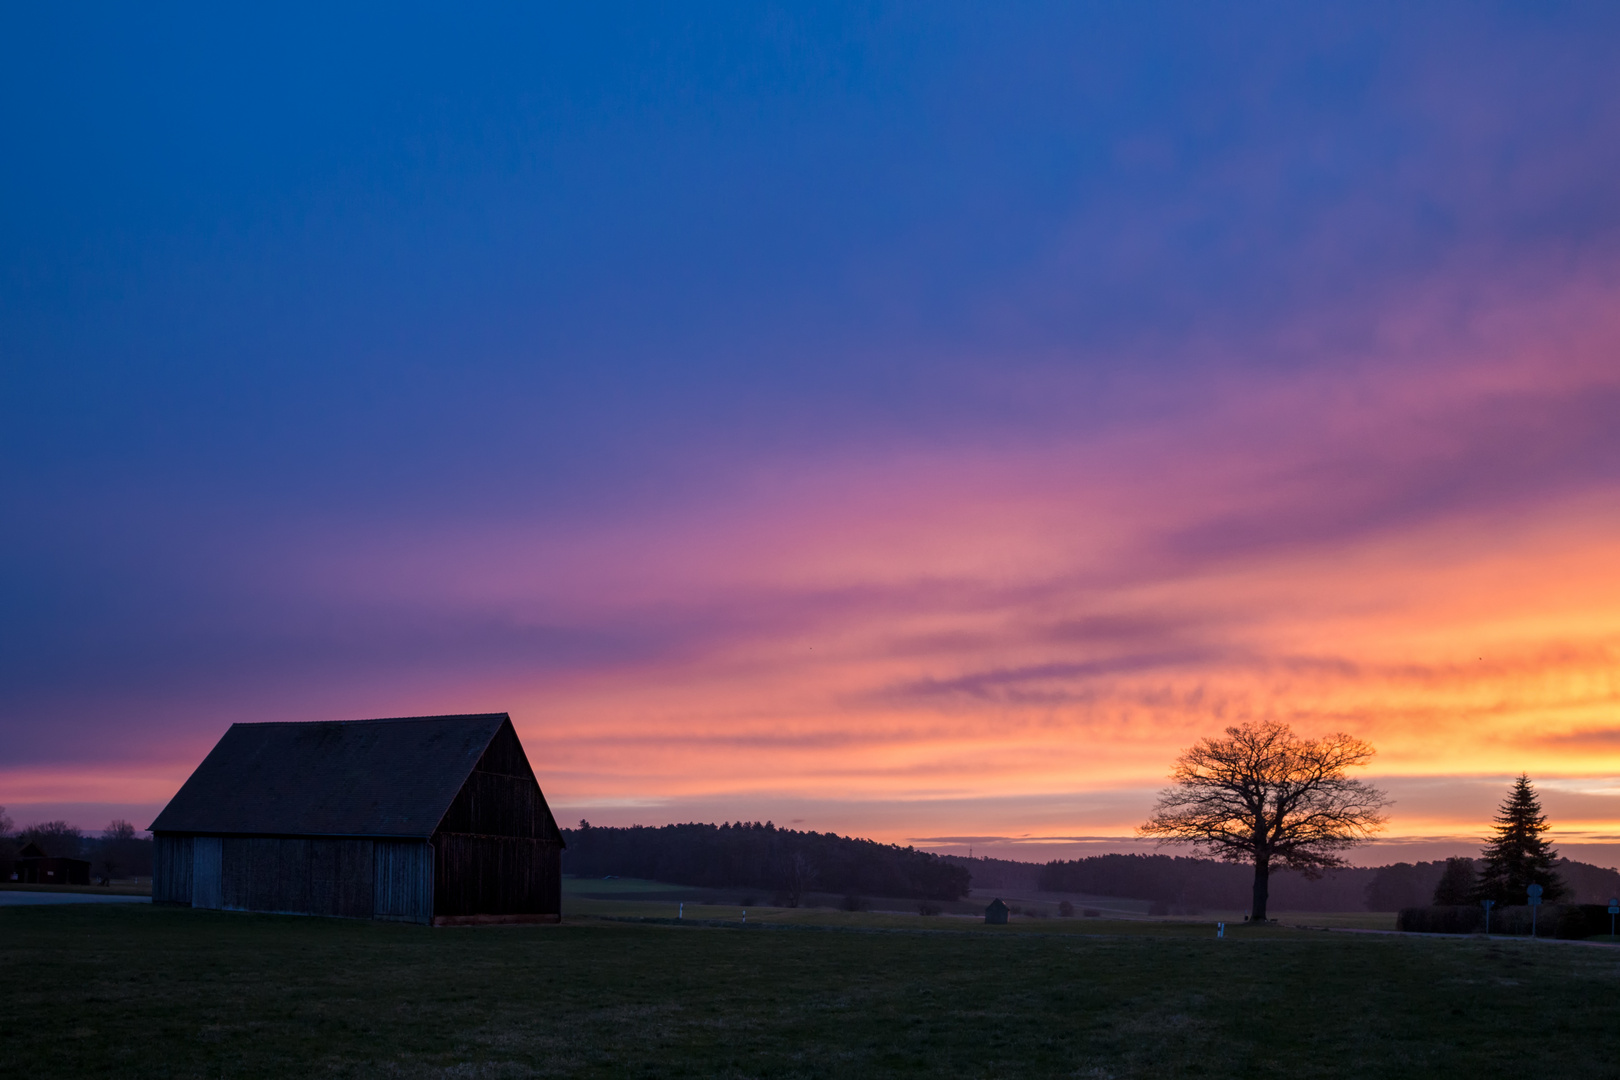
column 1399, row 885
column 798, row 875
column 1266, row 796
column 54, row 838
column 1456, row 885
column 1519, row 855
column 116, row 853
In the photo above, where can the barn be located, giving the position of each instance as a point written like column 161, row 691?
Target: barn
column 425, row 819
column 34, row 867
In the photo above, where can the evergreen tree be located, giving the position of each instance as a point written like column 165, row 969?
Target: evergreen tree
column 1456, row 883
column 1518, row 856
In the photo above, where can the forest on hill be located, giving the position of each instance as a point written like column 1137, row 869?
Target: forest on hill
column 788, row 864
column 784, row 862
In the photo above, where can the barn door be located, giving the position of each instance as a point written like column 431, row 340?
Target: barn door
column 403, row 880
column 205, row 872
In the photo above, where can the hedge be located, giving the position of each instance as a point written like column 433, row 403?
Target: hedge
column 1569, row 921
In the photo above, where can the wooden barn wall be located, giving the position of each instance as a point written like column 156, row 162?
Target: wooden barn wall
column 498, row 851
column 496, row 875
column 501, row 796
column 298, row 875
column 403, row 877
column 171, row 869
column 205, row 872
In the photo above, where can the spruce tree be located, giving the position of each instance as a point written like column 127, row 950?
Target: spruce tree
column 1519, row 856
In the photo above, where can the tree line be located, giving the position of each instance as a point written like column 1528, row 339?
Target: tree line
column 1183, row 885
column 118, row 851
column 785, row 863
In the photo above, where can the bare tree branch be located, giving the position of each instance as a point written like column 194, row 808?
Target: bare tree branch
column 1266, row 796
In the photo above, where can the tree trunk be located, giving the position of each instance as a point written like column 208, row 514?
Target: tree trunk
column 1262, row 887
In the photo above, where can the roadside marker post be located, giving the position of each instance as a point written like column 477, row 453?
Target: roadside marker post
column 1614, row 909
column 680, row 912
column 1534, row 897
column 1487, row 905
column 1220, row 928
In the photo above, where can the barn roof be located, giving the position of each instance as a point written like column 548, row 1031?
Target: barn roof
column 332, row 778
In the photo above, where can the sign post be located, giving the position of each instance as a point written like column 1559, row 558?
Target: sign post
column 1614, row 909
column 1534, row 892
column 1487, row 905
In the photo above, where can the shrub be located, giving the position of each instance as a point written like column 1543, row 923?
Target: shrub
column 855, row 903
column 1066, row 909
column 1092, row 913
column 1444, row 919
column 1594, row 920
column 928, row 907
column 1568, row 921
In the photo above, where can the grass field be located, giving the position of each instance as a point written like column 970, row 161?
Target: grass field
column 632, row 898
column 114, row 990
column 117, row 888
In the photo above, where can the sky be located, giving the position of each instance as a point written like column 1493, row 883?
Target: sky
column 917, row 421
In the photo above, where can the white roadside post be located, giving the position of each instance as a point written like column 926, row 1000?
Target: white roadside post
column 1487, row 905
column 1614, row 909
column 1534, row 896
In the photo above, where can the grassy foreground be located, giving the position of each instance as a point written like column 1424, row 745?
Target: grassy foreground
column 139, row 991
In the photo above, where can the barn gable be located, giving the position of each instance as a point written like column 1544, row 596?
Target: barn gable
column 417, row 819
column 501, row 796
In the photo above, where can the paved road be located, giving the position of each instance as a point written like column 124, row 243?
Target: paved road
column 18, row 896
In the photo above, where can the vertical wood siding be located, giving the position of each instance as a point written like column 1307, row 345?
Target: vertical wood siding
column 171, row 869
column 340, row 878
column 299, row 876
column 496, row 875
column 205, row 872
column 403, row 879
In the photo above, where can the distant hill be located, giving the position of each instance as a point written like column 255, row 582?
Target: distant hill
column 783, row 862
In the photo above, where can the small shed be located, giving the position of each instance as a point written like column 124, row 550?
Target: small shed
column 996, row 913
column 426, row 819
column 33, row 866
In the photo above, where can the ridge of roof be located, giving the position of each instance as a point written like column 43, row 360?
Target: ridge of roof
column 374, row 720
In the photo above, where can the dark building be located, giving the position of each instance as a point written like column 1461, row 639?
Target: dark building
column 996, row 912
column 430, row 819
column 32, row 866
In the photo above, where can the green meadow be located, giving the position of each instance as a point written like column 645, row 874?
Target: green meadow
column 622, row 988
